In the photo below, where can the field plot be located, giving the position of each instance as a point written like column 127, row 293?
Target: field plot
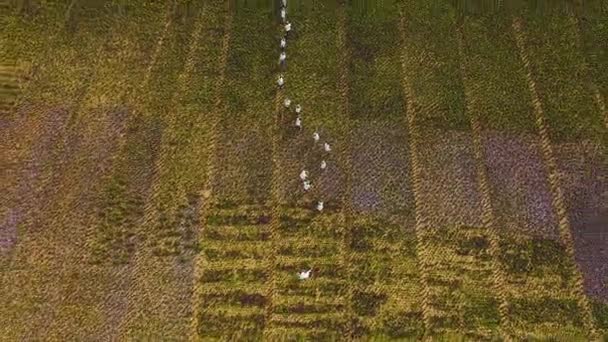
column 511, row 151
column 315, row 308
column 248, row 95
column 455, row 246
column 377, row 134
column 233, row 275
column 579, row 131
column 445, row 155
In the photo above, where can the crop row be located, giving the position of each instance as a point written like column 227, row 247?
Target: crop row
column 233, row 259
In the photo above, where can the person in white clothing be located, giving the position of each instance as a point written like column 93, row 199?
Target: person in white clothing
column 287, row 102
column 287, row 28
column 298, row 109
column 315, row 136
column 283, row 14
column 303, row 175
column 320, row 206
column 299, row 122
column 283, row 43
column 284, row 3
column 282, row 58
column 280, row 81
column 307, row 185
column 304, row 274
column 326, row 147
column 323, row 165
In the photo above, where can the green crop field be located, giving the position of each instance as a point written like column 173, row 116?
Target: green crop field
column 149, row 171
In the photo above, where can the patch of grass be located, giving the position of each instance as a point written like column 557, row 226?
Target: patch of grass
column 561, row 77
column 544, row 310
column 402, row 324
column 493, row 64
column 117, row 220
column 435, row 78
column 367, row 304
column 374, row 77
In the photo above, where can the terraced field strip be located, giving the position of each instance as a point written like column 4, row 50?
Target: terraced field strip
column 223, row 24
column 353, row 326
column 383, row 244
column 415, row 174
column 47, row 255
column 233, row 277
column 457, row 268
column 276, row 131
column 22, row 45
column 560, row 63
column 233, row 271
column 313, row 308
column 159, row 309
column 575, row 283
column 107, row 228
column 533, row 265
column 489, row 219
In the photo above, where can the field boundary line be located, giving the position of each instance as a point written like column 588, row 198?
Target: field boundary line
column 415, row 173
column 554, row 182
column 488, row 215
column 159, row 43
column 215, row 118
column 347, row 206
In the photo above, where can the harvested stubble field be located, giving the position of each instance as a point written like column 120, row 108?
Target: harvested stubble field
column 149, row 173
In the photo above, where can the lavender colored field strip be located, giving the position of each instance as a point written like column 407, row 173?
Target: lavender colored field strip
column 519, row 183
column 34, row 179
column 381, row 168
column 584, row 179
column 449, row 178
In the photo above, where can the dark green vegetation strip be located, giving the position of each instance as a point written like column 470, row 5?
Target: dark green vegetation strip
column 538, row 273
column 494, row 69
column 594, row 30
column 436, row 78
column 375, row 82
column 248, row 95
column 387, row 294
column 562, row 80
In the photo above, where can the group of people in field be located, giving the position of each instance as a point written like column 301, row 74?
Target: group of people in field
column 304, row 175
